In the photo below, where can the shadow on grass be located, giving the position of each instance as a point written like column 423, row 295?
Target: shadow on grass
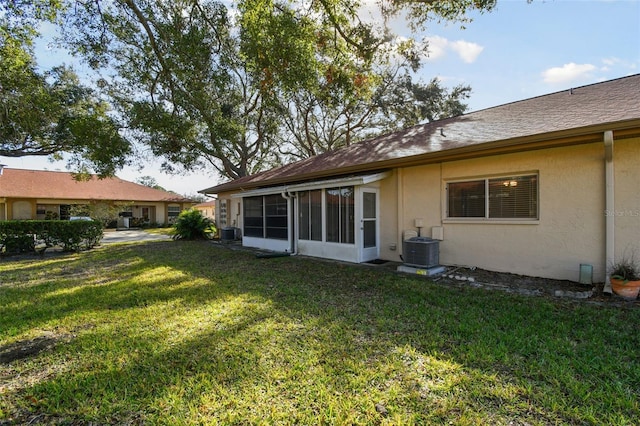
column 186, row 332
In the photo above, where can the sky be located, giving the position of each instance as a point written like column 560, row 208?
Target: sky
column 518, row 51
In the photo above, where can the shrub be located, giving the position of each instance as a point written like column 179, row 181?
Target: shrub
column 191, row 225
column 20, row 236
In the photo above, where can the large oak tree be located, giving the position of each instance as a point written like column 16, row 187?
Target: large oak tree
column 241, row 88
column 48, row 113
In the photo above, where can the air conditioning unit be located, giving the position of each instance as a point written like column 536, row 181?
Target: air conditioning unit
column 421, row 251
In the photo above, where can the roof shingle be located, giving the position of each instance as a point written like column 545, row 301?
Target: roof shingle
column 574, row 112
column 61, row 185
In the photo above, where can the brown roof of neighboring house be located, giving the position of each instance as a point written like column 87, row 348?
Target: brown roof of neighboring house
column 20, row 183
column 574, row 116
column 210, row 203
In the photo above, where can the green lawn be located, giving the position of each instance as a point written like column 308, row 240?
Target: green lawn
column 193, row 333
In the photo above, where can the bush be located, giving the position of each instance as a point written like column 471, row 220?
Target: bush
column 191, row 225
column 22, row 236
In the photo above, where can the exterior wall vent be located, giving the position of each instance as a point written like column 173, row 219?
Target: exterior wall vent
column 423, row 252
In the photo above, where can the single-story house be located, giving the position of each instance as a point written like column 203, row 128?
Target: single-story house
column 207, row 208
column 38, row 194
column 539, row 187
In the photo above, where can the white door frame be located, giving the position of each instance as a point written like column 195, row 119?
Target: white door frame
column 366, row 254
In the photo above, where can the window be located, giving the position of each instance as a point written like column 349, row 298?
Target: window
column 467, row 199
column 310, row 205
column 223, row 213
column 65, row 211
column 340, row 215
column 253, row 217
column 172, row 213
column 513, row 197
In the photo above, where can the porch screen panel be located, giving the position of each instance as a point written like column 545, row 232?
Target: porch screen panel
column 253, row 217
column 466, row 199
column 276, row 217
column 348, row 215
column 333, row 215
column 513, row 197
column 315, row 208
column 340, row 215
column 310, row 204
column 305, row 215
column 369, row 212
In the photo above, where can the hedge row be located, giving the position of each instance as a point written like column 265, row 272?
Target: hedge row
column 23, row 236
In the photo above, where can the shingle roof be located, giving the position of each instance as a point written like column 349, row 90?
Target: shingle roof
column 61, row 185
column 210, row 203
column 579, row 113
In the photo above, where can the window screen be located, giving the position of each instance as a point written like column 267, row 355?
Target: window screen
column 340, row 215
column 512, row 197
column 253, row 217
column 310, row 205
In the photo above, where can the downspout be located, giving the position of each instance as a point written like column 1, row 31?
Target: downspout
column 290, row 197
column 610, row 217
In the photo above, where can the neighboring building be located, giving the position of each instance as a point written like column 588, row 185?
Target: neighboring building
column 208, row 209
column 536, row 187
column 37, row 194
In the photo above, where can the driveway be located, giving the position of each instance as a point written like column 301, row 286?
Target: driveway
column 131, row 235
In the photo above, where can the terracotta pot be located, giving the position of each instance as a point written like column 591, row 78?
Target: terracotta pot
column 628, row 290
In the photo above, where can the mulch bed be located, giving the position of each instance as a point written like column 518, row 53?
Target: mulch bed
column 533, row 286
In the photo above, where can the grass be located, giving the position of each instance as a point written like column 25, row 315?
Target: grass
column 189, row 333
column 161, row 231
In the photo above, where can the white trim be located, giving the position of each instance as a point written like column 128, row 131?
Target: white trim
column 372, row 252
column 348, row 181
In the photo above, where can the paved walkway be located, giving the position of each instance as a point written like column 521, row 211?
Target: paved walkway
column 131, row 235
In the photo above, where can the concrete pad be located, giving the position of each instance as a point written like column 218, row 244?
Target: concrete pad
column 429, row 272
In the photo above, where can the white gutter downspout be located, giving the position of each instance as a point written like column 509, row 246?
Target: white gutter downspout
column 610, row 216
column 291, row 200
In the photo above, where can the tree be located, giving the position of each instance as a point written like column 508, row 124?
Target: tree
column 316, row 124
column 149, row 181
column 51, row 113
column 205, row 86
column 182, row 83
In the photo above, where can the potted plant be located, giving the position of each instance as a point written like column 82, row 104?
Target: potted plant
column 625, row 278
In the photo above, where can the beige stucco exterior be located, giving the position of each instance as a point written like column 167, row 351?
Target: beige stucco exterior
column 570, row 230
column 627, row 196
column 21, row 209
column 571, row 226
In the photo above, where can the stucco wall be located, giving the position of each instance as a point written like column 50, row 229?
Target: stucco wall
column 570, row 229
column 627, row 197
column 234, row 217
column 390, row 211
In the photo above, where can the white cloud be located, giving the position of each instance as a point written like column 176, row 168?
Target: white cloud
column 617, row 64
column 467, row 51
column 567, row 73
column 437, row 46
